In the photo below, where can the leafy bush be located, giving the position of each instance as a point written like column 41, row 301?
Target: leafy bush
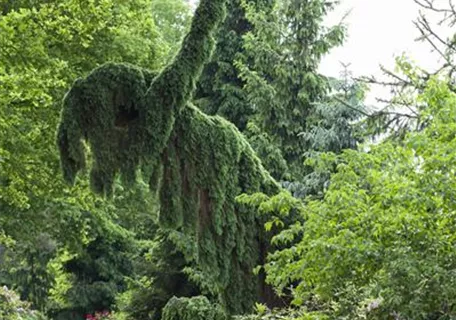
column 89, row 280
column 12, row 308
column 158, row 277
column 380, row 245
column 195, row 308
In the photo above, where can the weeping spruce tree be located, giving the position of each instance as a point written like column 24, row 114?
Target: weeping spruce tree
column 131, row 118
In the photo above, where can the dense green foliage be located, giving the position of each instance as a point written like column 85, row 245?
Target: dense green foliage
column 187, row 220
column 172, row 18
column 220, row 88
column 280, row 71
column 196, row 308
column 380, row 242
column 263, row 77
column 132, row 118
column 44, row 47
column 294, row 113
column 126, row 114
column 12, row 308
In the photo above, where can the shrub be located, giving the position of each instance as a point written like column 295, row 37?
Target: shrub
column 195, row 308
column 380, row 245
column 13, row 308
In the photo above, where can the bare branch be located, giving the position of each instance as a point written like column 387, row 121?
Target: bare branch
column 427, row 38
column 424, row 25
column 429, row 4
column 373, row 80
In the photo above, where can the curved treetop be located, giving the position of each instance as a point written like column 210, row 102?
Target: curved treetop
column 126, row 113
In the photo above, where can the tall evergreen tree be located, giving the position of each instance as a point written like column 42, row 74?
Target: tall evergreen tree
column 220, row 88
column 264, row 78
column 283, row 82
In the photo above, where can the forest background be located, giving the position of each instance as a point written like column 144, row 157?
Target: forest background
column 363, row 224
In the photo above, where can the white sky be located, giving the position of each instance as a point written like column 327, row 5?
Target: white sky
column 378, row 31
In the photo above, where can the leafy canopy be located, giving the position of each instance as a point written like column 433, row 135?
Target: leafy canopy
column 381, row 241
